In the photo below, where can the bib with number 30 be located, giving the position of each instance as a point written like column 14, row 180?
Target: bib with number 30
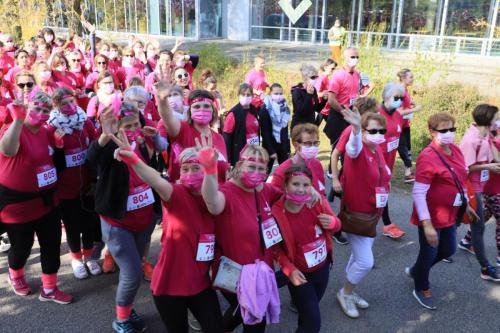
column 271, row 232
column 315, row 252
column 206, row 247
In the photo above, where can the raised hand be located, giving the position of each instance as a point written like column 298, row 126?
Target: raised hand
column 149, row 131
column 207, row 155
column 161, row 89
column 17, row 108
column 352, row 117
column 124, row 152
column 109, row 122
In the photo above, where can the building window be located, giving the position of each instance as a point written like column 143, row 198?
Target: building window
column 419, row 17
column 467, row 18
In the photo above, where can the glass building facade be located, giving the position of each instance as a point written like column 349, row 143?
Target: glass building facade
column 461, row 26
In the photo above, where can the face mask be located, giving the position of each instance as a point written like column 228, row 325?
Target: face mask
column 192, row 181
column 45, row 75
column 175, row 102
column 133, row 135
column 278, row 98
column 312, row 81
column 308, row 153
column 77, row 69
column 108, row 88
column 298, row 199
column 202, row 116
column 375, row 138
column 68, row 109
column 49, row 38
column 252, row 179
column 395, row 104
column 127, row 62
column 446, row 138
column 113, row 54
column 138, row 50
column 352, row 62
column 180, row 63
column 37, row 119
column 61, row 68
column 245, row 100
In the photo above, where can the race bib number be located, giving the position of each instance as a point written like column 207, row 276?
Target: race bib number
column 206, row 247
column 381, row 197
column 315, row 252
column 140, row 197
column 254, row 140
column 458, row 200
column 485, row 175
column 271, row 233
column 75, row 157
column 392, row 144
column 46, row 175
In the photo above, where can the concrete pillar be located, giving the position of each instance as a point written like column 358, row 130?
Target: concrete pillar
column 238, row 20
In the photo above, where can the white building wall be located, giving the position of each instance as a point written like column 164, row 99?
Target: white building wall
column 238, row 20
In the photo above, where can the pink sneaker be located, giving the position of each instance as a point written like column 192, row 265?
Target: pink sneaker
column 20, row 286
column 55, row 296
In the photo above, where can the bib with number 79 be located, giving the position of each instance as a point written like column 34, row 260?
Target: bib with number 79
column 315, row 252
column 381, row 197
column 206, row 247
column 271, row 232
column 140, row 197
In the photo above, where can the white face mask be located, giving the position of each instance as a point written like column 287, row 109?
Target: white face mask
column 175, row 103
column 446, row 138
column 376, row 139
column 113, row 54
column 352, row 62
column 245, row 100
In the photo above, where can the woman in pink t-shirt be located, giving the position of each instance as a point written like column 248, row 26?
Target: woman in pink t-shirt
column 256, row 78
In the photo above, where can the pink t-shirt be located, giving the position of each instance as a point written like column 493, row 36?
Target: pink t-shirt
column 257, row 79
column 345, row 86
column 322, row 85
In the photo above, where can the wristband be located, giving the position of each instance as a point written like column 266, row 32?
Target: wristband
column 207, row 161
column 130, row 160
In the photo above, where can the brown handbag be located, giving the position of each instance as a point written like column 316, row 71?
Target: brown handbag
column 361, row 224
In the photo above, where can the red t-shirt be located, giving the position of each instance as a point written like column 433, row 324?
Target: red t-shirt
column 344, row 138
column 493, row 184
column 185, row 139
column 314, row 165
column 6, row 63
column 151, row 113
column 30, row 170
column 75, row 175
column 406, row 105
column 443, row 192
column 67, row 81
column 237, row 230
column 322, row 86
column 137, row 218
column 361, row 177
column 251, row 125
column 305, row 229
column 394, row 128
column 188, row 218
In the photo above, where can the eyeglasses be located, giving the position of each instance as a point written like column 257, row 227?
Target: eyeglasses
column 102, row 63
column 398, row 98
column 354, row 57
column 182, row 75
column 375, row 131
column 314, row 77
column 27, row 84
column 310, row 143
column 445, row 130
column 74, row 60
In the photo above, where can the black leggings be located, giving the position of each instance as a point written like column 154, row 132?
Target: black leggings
column 385, row 215
column 22, row 236
column 232, row 317
column 204, row 306
column 404, row 148
column 79, row 222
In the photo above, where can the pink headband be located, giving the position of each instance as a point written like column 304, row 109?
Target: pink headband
column 192, row 160
column 300, row 173
column 201, row 99
column 66, row 96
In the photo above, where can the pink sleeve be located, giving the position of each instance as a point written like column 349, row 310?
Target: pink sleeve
column 229, row 123
column 91, row 107
column 334, row 84
column 468, row 148
column 249, row 77
column 420, row 200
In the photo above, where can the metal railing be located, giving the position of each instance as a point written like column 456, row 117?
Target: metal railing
column 404, row 42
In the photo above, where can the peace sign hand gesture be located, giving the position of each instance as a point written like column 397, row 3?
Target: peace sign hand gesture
column 124, row 152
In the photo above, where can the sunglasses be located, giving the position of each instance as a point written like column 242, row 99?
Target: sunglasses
column 375, row 131
column 444, row 130
column 102, row 63
column 314, row 77
column 128, row 55
column 27, row 84
column 182, row 75
column 398, row 98
column 354, row 57
column 310, row 143
column 74, row 60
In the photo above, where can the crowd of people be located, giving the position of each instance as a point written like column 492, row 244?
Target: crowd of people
column 106, row 141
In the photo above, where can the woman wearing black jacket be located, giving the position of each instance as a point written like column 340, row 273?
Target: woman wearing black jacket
column 125, row 205
column 243, row 126
column 305, row 99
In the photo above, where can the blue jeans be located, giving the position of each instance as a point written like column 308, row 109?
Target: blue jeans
column 127, row 248
column 429, row 256
column 477, row 233
column 306, row 298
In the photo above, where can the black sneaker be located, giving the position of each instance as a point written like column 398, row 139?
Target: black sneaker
column 424, row 297
column 489, row 273
column 136, row 321
column 339, row 238
column 123, row 326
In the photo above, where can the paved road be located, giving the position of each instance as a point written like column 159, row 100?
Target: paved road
column 466, row 303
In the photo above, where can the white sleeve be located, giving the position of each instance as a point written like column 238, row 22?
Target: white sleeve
column 354, row 145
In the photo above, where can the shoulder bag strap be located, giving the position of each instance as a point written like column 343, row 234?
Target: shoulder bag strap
column 453, row 175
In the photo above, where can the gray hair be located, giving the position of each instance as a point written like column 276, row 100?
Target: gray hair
column 136, row 91
column 188, row 153
column 308, row 70
column 391, row 88
column 42, row 97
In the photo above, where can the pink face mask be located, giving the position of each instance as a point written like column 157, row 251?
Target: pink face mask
column 252, row 179
column 376, row 139
column 133, row 135
column 308, row 153
column 245, row 100
column 192, row 181
column 69, row 109
column 298, row 199
column 37, row 119
column 201, row 116
column 45, row 75
column 175, row 102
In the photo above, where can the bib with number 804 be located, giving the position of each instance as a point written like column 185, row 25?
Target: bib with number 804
column 315, row 252
column 206, row 247
column 140, row 197
column 271, row 232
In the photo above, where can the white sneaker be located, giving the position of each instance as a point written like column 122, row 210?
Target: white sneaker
column 93, row 267
column 79, row 269
column 360, row 301
column 347, row 304
column 4, row 243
